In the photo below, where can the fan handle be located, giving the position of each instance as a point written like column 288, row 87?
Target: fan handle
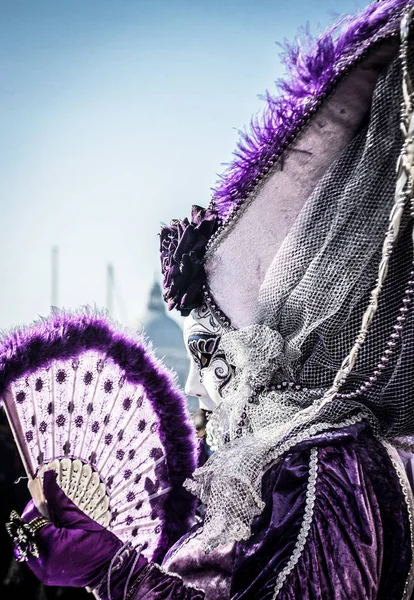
column 34, row 484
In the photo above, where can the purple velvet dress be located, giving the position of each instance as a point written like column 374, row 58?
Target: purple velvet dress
column 336, row 526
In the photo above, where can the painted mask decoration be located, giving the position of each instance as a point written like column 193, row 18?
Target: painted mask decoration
column 209, row 371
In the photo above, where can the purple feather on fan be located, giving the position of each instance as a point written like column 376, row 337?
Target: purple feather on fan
column 312, row 68
column 65, row 335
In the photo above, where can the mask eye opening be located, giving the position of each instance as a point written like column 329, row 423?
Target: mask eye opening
column 203, row 360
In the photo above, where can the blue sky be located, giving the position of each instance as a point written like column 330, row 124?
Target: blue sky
column 116, row 116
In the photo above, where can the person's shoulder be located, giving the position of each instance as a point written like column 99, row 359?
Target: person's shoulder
column 336, row 437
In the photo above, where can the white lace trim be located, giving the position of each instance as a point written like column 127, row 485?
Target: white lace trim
column 312, row 431
column 186, row 584
column 306, row 523
column 409, row 500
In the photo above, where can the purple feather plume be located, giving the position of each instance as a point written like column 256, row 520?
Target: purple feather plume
column 312, row 68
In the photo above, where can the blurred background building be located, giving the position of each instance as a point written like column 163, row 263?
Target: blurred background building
column 166, row 336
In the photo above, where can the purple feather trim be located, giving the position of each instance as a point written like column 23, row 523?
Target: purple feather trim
column 64, row 335
column 312, row 67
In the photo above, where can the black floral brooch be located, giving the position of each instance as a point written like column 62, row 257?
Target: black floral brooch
column 182, row 248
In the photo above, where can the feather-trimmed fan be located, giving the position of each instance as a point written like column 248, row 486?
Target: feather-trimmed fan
column 90, row 400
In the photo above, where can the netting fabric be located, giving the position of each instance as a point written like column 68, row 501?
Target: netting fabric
column 308, row 317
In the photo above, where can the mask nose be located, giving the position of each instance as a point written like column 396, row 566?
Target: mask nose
column 193, row 386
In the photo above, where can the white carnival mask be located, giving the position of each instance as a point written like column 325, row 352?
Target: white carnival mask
column 209, row 371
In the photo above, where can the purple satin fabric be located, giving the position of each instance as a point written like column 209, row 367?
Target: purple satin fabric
column 358, row 546
column 359, row 543
column 211, row 572
column 160, row 586
column 121, row 578
column 75, row 551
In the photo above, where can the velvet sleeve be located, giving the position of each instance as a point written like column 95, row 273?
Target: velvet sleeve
column 335, row 526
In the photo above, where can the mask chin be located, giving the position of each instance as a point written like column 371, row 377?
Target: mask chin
column 206, row 403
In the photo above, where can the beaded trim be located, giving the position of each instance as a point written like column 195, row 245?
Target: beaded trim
column 404, row 191
column 404, row 188
column 306, row 523
column 345, row 67
column 403, row 194
column 220, row 316
column 392, row 343
column 283, row 385
column 409, row 500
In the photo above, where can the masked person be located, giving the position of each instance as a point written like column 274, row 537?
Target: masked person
column 296, row 285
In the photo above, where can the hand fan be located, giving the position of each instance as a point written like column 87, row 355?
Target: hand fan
column 88, row 399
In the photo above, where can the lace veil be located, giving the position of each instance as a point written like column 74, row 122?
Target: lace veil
column 317, row 308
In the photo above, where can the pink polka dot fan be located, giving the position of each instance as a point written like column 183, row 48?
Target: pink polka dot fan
column 88, row 399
